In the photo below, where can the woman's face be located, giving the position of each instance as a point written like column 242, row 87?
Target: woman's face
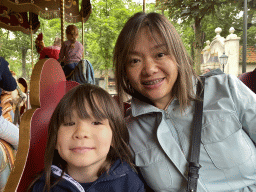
column 151, row 70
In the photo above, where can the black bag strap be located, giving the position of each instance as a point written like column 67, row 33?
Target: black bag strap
column 194, row 165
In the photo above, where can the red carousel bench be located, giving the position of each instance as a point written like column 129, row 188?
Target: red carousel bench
column 48, row 85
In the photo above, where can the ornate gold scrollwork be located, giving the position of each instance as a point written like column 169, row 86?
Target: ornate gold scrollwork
column 70, row 3
column 5, row 14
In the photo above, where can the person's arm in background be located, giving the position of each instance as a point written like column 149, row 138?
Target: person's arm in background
column 8, row 82
column 62, row 52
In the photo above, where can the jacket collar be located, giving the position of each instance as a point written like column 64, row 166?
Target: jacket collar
column 139, row 107
column 57, row 171
column 117, row 170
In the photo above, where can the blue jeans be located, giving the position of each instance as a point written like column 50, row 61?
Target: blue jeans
column 68, row 68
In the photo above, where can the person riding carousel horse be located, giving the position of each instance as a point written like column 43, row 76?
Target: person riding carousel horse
column 9, row 133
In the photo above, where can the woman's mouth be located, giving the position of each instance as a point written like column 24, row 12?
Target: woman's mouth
column 153, row 82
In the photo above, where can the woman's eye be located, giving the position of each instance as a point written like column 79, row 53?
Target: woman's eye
column 134, row 61
column 69, row 124
column 160, row 54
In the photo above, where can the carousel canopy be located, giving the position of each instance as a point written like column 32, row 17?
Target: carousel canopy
column 15, row 21
column 14, row 13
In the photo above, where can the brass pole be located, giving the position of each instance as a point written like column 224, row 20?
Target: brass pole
column 144, row 6
column 245, row 38
column 62, row 17
column 83, row 34
column 31, row 37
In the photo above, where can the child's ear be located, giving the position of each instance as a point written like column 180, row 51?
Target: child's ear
column 112, row 143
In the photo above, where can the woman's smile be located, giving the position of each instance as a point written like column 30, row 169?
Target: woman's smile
column 153, row 84
column 155, row 71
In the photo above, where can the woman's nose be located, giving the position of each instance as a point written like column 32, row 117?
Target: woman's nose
column 149, row 67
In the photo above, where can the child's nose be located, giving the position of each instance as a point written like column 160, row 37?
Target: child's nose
column 149, row 67
column 81, row 132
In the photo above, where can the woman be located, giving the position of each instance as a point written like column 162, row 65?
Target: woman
column 152, row 65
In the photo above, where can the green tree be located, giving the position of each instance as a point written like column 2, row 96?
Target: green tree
column 14, row 48
column 102, row 30
column 194, row 12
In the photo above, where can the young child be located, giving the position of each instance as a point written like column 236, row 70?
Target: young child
column 71, row 51
column 87, row 146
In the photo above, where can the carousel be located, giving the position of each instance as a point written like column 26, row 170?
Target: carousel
column 48, row 84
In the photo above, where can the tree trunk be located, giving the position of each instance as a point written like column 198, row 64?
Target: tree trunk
column 198, row 45
column 24, row 72
column 106, row 79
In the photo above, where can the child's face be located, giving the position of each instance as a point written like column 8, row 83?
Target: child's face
column 151, row 70
column 70, row 37
column 84, row 143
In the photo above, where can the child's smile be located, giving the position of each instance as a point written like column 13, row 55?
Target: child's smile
column 81, row 149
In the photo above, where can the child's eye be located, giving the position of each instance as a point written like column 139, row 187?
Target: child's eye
column 69, row 124
column 96, row 123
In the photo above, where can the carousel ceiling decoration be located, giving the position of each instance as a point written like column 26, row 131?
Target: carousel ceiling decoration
column 17, row 14
column 18, row 21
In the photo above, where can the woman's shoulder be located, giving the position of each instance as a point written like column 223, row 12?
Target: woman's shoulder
column 221, row 79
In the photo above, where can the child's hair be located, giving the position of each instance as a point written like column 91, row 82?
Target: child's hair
column 103, row 106
column 156, row 24
column 57, row 42
column 73, row 31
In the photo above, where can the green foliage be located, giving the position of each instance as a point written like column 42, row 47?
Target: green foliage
column 103, row 27
column 100, row 33
column 204, row 16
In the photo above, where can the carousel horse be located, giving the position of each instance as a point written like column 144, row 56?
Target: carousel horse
column 6, row 104
column 15, row 101
column 48, row 85
column 19, row 99
column 7, row 153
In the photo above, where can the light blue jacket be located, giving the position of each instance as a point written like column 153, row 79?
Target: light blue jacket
column 160, row 142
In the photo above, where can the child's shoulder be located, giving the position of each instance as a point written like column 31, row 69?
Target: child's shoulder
column 123, row 175
column 78, row 43
column 39, row 184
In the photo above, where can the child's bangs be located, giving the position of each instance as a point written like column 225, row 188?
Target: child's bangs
column 90, row 107
column 85, row 103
